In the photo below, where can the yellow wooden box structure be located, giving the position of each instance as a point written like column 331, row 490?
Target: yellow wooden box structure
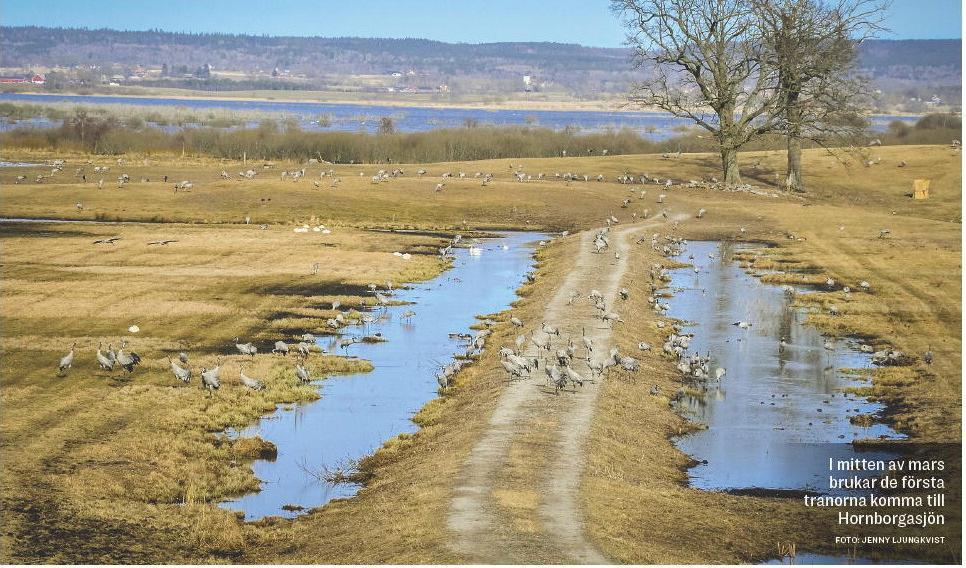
column 920, row 189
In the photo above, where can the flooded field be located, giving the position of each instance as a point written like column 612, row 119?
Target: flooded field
column 780, row 410
column 357, row 413
column 353, row 117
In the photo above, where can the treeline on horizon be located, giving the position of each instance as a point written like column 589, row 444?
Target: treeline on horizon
column 42, row 40
column 273, row 141
column 903, row 69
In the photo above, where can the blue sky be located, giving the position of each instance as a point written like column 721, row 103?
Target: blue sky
column 587, row 22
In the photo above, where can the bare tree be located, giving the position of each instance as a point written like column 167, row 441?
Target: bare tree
column 704, row 60
column 812, row 45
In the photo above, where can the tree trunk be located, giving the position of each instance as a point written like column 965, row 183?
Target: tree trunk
column 729, row 165
column 793, row 180
column 793, row 177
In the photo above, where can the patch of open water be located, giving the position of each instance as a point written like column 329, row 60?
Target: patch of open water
column 779, row 412
column 359, row 412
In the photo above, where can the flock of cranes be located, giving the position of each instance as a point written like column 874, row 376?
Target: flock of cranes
column 107, row 360
column 209, row 378
column 565, row 362
column 559, row 357
column 517, row 173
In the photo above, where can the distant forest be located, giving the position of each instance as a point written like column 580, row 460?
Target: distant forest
column 902, row 69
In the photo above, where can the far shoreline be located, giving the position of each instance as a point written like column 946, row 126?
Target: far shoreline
column 549, row 106
column 611, row 106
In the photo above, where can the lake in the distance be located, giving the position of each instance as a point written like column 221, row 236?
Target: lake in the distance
column 365, row 118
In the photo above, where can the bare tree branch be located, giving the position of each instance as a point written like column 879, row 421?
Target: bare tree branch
column 703, row 60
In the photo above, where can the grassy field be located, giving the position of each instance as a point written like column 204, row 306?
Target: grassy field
column 106, row 468
column 142, row 453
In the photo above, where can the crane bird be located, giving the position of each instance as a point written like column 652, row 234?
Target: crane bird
column 249, row 382
column 66, row 361
column 105, row 362
column 514, row 370
column 209, row 378
column 281, row 348
column 557, row 379
column 611, row 317
column 628, row 363
column 302, row 374
column 541, row 342
column 183, row 375
column 573, row 376
column 516, row 321
column 383, row 301
column 246, row 348
column 550, row 330
column 596, row 367
column 127, row 361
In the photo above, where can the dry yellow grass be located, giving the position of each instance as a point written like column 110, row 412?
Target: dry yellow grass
column 635, row 505
column 98, row 466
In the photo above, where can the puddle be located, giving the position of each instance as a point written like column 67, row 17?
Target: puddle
column 778, row 413
column 809, row 558
column 357, row 413
column 4, row 164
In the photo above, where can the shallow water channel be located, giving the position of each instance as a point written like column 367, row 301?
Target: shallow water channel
column 358, row 412
column 779, row 413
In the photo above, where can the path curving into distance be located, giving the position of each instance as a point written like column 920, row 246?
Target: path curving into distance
column 473, row 516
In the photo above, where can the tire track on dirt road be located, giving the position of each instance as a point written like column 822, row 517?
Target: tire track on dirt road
column 473, row 514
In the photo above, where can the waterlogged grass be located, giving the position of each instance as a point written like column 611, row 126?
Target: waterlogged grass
column 909, row 305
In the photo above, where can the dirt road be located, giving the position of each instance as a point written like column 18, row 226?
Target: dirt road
column 474, row 517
